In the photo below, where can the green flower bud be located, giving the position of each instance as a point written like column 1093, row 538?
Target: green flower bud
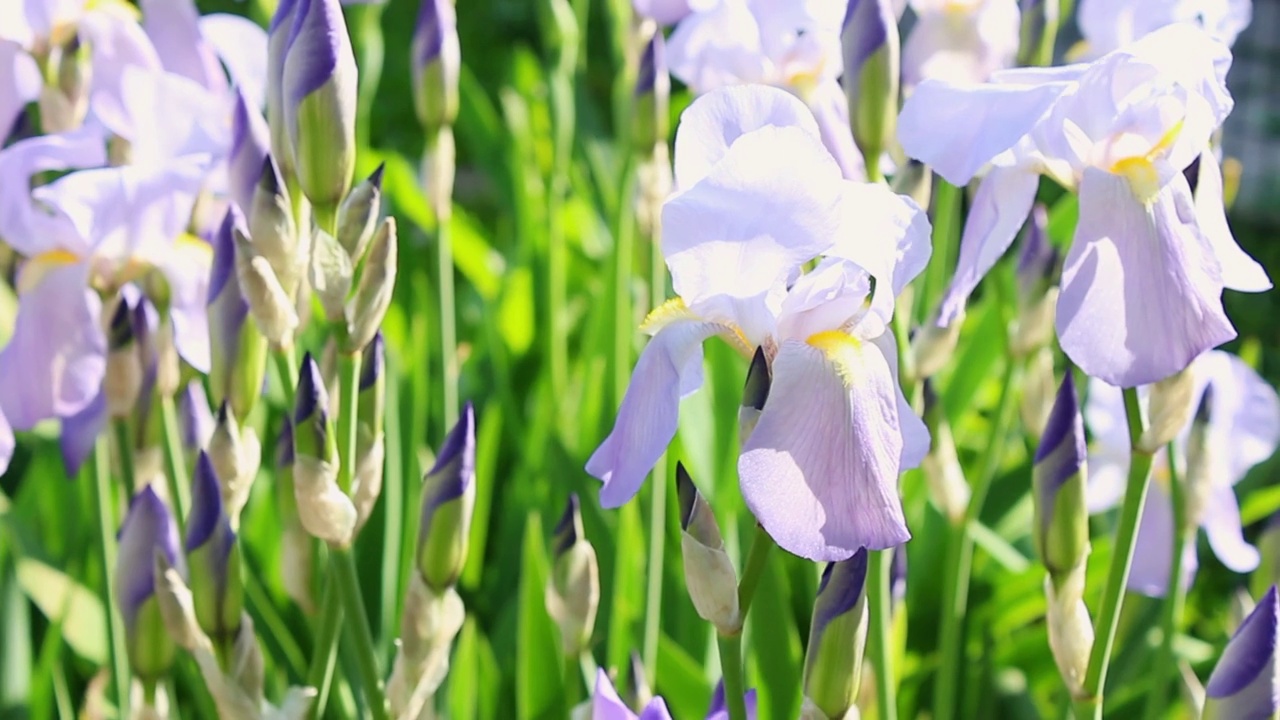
column 573, row 590
column 237, row 349
column 1170, row 403
column 1058, row 479
column 213, row 556
column 708, row 572
column 359, row 213
column 272, row 230
column 872, row 57
column 837, row 637
column 370, row 445
column 148, row 531
column 270, row 305
column 64, row 101
column 325, row 511
column 1070, row 631
column 759, row 379
column 373, row 290
column 436, row 63
column 448, row 499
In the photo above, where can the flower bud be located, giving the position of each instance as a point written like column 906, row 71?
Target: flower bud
column 148, row 531
column 325, row 511
column 651, row 112
column 373, row 292
column 319, row 87
column 214, row 559
column 1058, row 479
column 1039, row 29
column 448, row 499
column 871, row 68
column 837, row 636
column 1244, row 683
column 250, row 146
column 573, row 590
column 1070, row 632
column 1170, row 402
column 235, row 453
column 719, row 709
column 238, row 350
column 194, row 416
column 331, row 273
column 370, row 444
column 65, row 102
column 436, row 63
column 948, row 489
column 932, row 347
column 279, row 33
column 272, row 230
column 1039, row 388
column 708, row 571
column 359, row 213
column 123, row 381
column 759, row 380
column 1037, row 291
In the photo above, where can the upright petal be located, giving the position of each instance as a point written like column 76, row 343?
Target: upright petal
column 999, row 209
column 57, row 354
column 187, row 265
column 119, row 46
column 959, row 128
column 250, row 144
column 1226, row 535
column 1141, row 293
column 664, row 12
column 174, row 29
column 1239, row 271
column 1153, row 552
column 731, row 241
column 669, row 368
column 605, row 703
column 241, row 45
column 718, row 48
column 713, row 122
column 19, row 83
column 916, row 440
column 820, row 470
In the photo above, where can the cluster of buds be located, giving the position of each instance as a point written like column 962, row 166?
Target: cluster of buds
column 573, row 590
column 433, row 611
column 1061, row 534
column 271, row 256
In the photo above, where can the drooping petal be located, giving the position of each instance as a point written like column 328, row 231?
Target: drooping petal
column 118, row 45
column 999, row 209
column 605, row 703
column 165, row 116
column 669, row 368
column 1153, row 553
column 24, row 226
column 656, row 710
column 915, row 434
column 55, row 360
column 820, row 470
column 1141, row 294
column 1226, row 535
column 664, row 12
column 831, row 110
column 241, row 45
column 713, row 122
column 961, row 47
column 1239, row 271
column 959, row 128
column 174, row 29
column 731, row 241
column 19, row 83
column 250, row 144
column 80, row 431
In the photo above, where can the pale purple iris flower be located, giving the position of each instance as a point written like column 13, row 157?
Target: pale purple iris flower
column 670, row 12
column 785, row 43
column 606, row 705
column 961, row 41
column 1111, row 24
column 758, row 198
column 1243, row 430
column 197, row 47
column 1142, row 284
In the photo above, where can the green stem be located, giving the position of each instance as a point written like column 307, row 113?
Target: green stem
column 286, row 361
column 959, row 561
column 946, row 211
column 448, row 296
column 731, row 668
column 562, row 115
column 324, row 654
column 124, row 453
column 753, row 569
column 349, row 399
column 572, row 680
column 117, row 655
column 1090, row 704
column 366, row 655
column 657, row 555
column 880, row 636
column 1175, row 595
column 175, row 463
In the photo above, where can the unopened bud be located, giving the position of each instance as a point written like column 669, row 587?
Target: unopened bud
column 428, row 625
column 124, row 376
column 759, row 380
column 250, row 146
column 1244, row 682
column 872, row 58
column 359, row 213
column 837, row 637
column 708, row 571
column 942, row 471
column 296, row 546
column 373, row 290
column 237, row 349
column 214, row 559
column 1039, row 388
column 279, row 34
column 436, row 64
column 448, row 500
column 1171, row 401
column 194, row 416
column 235, row 453
column 271, row 307
column 573, row 590
column 148, row 531
column 637, row 692
column 64, row 103
column 331, row 272
column 1058, row 479
column 272, row 230
column 325, row 511
column 1070, row 632
column 1202, row 462
column 370, row 444
column 932, row 347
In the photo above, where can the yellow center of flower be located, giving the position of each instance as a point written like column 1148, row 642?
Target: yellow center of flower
column 843, row 350
column 1140, row 170
column 675, row 310
column 40, row 265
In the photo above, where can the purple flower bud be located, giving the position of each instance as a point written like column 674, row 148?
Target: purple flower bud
column 1058, row 478
column 837, row 636
column 1039, row 258
column 871, row 66
column 211, row 549
column 719, row 709
column 448, row 498
column 436, row 62
column 148, row 529
column 195, row 416
column 278, row 34
column 238, row 350
column 1244, row 683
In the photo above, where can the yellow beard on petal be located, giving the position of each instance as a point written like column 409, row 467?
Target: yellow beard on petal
column 1140, row 170
column 843, row 350
column 40, row 265
column 675, row 310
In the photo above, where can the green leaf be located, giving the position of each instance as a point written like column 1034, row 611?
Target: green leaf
column 681, row 681
column 473, row 676
column 538, row 687
column 774, row 643
column 515, row 310
column 63, row 600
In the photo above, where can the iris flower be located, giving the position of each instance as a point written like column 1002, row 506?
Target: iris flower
column 1111, row 24
column 759, row 199
column 1243, row 430
column 606, row 705
column 1141, row 292
column 960, row 40
column 785, row 43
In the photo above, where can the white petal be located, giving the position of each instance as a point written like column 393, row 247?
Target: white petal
column 831, row 110
column 1141, row 294
column 28, row 229
column 957, row 129
column 1239, row 271
column 820, row 470
column 999, row 210
column 717, row 49
column 915, row 434
column 1245, row 412
column 713, row 122
column 242, row 46
column 1226, row 536
column 732, row 240
column 669, row 367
